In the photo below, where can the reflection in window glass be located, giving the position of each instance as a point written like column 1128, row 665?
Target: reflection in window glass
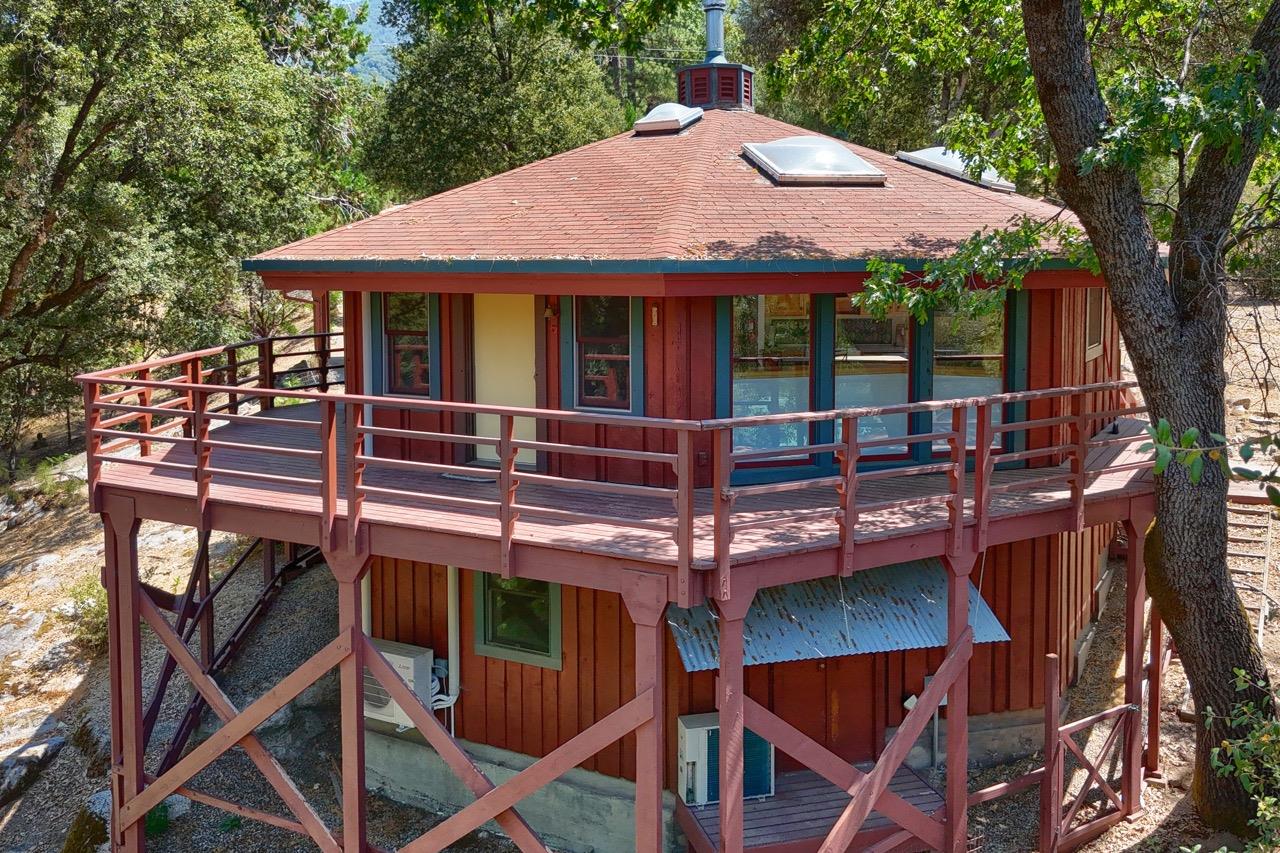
column 518, row 619
column 407, row 321
column 968, row 361
column 1094, row 301
column 872, row 368
column 771, row 367
column 604, row 351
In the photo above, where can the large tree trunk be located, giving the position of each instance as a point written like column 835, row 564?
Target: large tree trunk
column 1174, row 327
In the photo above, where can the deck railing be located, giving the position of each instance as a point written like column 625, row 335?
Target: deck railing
column 180, row 401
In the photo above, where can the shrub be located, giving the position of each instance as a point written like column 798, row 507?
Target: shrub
column 1254, row 760
column 87, row 613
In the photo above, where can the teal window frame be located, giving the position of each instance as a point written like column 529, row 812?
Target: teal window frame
column 552, row 659
column 569, row 360
column 379, row 355
column 920, row 385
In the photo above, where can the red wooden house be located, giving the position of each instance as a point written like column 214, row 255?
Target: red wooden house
column 629, row 505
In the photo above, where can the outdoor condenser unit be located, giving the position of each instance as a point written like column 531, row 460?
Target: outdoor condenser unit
column 698, row 761
column 413, row 664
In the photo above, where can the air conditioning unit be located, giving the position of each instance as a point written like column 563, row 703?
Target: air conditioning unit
column 413, row 664
column 698, row 761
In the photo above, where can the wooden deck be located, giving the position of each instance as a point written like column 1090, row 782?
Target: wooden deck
column 769, row 524
column 800, row 813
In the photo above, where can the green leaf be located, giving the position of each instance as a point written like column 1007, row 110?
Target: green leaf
column 1189, row 437
column 1195, row 469
column 1246, row 451
column 1163, row 457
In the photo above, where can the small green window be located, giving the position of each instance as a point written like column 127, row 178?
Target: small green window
column 518, row 619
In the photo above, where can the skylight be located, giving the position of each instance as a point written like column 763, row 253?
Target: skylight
column 812, row 160
column 950, row 163
column 668, row 117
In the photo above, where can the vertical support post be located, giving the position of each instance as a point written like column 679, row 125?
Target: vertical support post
column 349, row 570
column 120, row 577
column 1134, row 661
column 193, row 371
column 646, row 599
column 206, row 617
column 729, row 694
column 320, row 327
column 1051, row 784
column 268, row 561
column 959, row 568
column 1155, row 682
column 144, row 399
column 849, row 458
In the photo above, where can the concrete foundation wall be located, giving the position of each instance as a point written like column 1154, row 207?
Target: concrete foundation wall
column 582, row 811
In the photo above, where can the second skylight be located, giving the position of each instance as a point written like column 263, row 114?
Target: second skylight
column 812, row 160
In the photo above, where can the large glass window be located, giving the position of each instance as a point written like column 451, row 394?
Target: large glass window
column 518, row 619
column 872, row 368
column 968, row 361
column 406, row 322
column 772, row 343
column 603, row 332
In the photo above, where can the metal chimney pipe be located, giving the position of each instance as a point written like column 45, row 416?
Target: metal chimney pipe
column 714, row 10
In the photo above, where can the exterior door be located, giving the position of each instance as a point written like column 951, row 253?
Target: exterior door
column 504, row 361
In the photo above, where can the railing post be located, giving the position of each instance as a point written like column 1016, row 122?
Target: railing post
column 955, row 509
column 92, row 442
column 722, row 512
column 1051, row 784
column 199, row 426
column 266, row 367
column 233, row 378
column 1134, row 663
column 684, row 513
column 193, row 370
column 507, row 485
column 1079, row 456
column 848, row 490
column 355, row 473
column 328, row 472
column 144, row 399
column 982, row 475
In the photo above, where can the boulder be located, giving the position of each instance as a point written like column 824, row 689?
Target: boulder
column 21, row 767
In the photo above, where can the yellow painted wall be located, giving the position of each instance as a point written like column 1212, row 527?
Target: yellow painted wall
column 505, row 362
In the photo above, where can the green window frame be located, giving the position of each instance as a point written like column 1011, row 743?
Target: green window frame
column 570, row 355
column 380, row 349
column 507, row 608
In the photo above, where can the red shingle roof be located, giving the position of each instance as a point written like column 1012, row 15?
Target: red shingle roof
column 684, row 197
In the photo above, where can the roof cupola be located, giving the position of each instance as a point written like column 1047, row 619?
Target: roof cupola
column 716, row 83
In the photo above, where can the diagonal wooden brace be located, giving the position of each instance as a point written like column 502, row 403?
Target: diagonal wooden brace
column 547, row 769
column 444, row 744
column 238, row 728
column 875, row 783
column 837, row 771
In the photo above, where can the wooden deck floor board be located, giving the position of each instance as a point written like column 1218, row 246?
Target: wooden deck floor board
column 778, row 534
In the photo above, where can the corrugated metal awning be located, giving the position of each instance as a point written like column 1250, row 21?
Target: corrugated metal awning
column 888, row 609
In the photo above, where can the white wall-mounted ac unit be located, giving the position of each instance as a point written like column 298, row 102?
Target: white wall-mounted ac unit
column 698, row 761
column 413, row 664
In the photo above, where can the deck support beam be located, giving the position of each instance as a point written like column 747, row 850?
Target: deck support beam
column 645, row 596
column 729, row 701
column 959, row 567
column 1135, row 528
column 349, row 570
column 120, row 577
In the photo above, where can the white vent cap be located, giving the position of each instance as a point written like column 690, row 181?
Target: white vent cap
column 812, row 160
column 667, row 117
column 939, row 159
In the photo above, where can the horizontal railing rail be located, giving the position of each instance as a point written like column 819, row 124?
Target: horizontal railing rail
column 349, row 451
